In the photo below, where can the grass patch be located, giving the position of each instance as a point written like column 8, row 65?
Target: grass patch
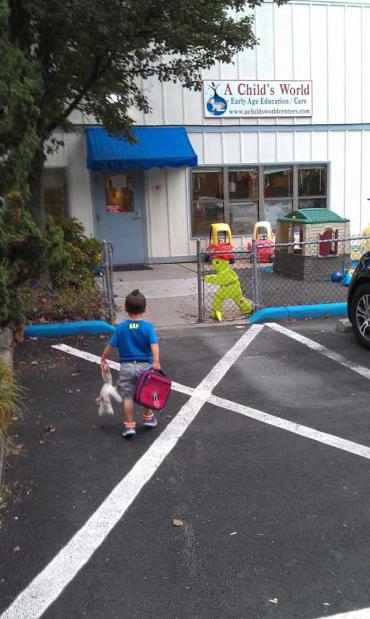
column 11, row 405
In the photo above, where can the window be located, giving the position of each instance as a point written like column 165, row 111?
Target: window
column 54, row 192
column 119, row 195
column 208, row 202
column 278, row 193
column 243, row 184
column 312, row 187
column 278, row 182
column 242, row 196
column 243, row 200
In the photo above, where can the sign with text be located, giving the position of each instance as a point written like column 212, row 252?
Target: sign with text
column 248, row 99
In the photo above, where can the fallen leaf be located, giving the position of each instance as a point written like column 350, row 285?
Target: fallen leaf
column 16, row 548
column 177, row 522
column 34, row 362
column 49, row 428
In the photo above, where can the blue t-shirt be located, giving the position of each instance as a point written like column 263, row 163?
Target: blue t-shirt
column 133, row 339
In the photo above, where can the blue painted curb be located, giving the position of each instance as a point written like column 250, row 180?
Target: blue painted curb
column 299, row 312
column 60, row 329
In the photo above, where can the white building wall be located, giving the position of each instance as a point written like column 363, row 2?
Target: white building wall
column 326, row 43
column 337, row 158
column 78, row 181
column 168, row 214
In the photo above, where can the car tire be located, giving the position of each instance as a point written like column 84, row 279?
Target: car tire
column 360, row 315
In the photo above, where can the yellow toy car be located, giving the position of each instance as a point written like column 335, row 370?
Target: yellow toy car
column 217, row 248
column 262, row 234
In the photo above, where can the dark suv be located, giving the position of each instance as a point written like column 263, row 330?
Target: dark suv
column 358, row 302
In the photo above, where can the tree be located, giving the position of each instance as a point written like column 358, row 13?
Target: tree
column 19, row 90
column 88, row 50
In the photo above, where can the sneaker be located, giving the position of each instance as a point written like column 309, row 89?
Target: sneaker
column 150, row 423
column 128, row 433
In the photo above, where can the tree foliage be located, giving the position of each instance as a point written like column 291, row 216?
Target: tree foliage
column 86, row 51
column 20, row 89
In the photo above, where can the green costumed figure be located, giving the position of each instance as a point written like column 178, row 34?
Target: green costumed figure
column 229, row 288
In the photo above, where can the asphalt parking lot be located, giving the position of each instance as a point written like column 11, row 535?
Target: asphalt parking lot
column 263, row 456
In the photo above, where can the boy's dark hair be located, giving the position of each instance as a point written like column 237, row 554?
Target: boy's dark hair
column 135, row 302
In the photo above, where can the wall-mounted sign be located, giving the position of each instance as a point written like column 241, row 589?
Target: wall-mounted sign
column 251, row 99
column 119, row 197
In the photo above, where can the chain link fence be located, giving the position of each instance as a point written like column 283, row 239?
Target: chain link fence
column 107, row 281
column 275, row 275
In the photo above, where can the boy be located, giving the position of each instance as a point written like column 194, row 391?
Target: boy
column 138, row 348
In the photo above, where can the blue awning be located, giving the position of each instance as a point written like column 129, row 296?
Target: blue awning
column 156, row 147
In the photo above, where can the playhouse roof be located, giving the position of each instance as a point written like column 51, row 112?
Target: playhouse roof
column 313, row 216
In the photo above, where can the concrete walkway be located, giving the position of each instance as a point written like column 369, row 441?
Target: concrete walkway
column 171, row 291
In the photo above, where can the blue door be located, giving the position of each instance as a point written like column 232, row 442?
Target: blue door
column 118, row 199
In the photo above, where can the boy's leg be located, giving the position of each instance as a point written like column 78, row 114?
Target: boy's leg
column 149, row 419
column 125, row 388
column 128, row 418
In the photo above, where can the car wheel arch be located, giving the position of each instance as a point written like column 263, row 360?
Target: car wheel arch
column 361, row 320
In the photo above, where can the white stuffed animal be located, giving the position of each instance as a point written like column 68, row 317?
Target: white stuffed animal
column 107, row 392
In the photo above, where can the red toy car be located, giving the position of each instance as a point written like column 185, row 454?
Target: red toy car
column 223, row 250
column 265, row 245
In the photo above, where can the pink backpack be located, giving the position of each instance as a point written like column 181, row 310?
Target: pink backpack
column 152, row 390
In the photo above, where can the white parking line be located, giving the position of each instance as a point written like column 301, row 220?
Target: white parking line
column 363, row 613
column 278, row 422
column 88, row 356
column 33, row 601
column 326, row 352
column 290, row 426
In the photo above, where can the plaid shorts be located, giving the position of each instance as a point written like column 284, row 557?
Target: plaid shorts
column 128, row 377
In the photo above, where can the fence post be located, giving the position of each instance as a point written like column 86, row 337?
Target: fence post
column 108, row 279
column 200, row 284
column 255, row 276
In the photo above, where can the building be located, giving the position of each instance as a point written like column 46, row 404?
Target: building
column 285, row 127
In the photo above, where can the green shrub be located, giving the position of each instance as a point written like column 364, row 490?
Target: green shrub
column 23, row 257
column 4, row 295
column 25, row 249
column 44, row 304
column 10, row 399
column 73, row 261
column 61, row 257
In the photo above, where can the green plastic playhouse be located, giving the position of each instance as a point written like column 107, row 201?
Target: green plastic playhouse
column 311, row 261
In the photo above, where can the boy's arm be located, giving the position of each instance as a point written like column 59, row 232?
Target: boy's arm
column 107, row 352
column 155, row 352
